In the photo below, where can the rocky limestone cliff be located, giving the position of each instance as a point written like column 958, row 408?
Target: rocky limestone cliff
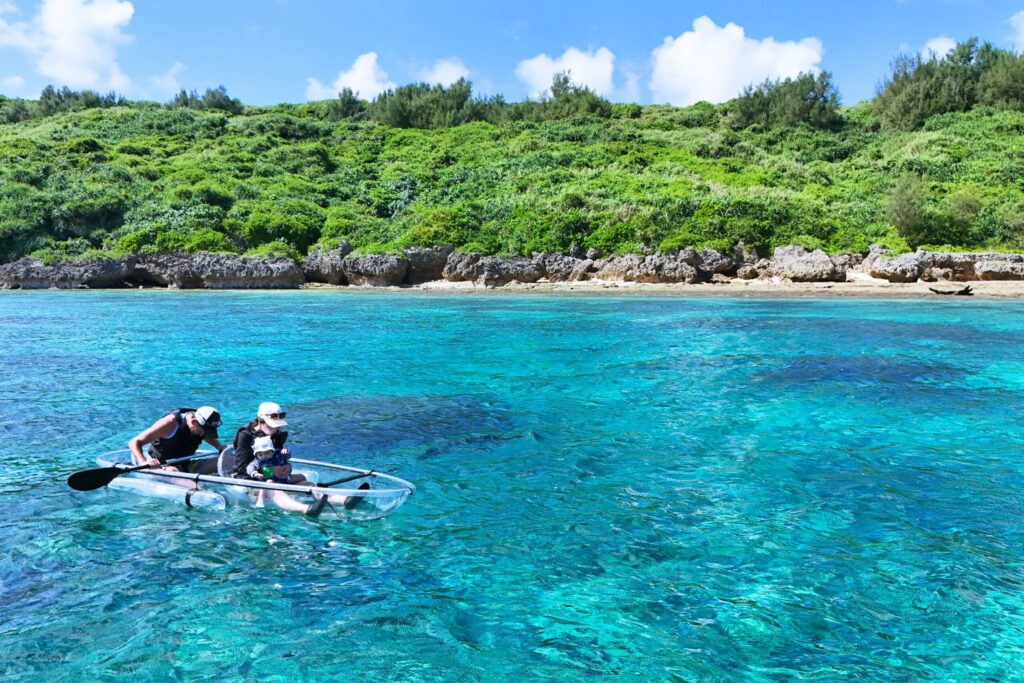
column 419, row 265
column 185, row 271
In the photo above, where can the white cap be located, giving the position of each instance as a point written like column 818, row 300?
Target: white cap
column 262, row 444
column 268, row 408
column 208, row 418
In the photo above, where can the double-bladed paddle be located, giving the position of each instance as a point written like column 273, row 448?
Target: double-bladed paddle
column 90, row 480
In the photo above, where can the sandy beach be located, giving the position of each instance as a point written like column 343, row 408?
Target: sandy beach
column 857, row 286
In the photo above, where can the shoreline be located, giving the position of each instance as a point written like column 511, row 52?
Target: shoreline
column 859, row 288
column 790, row 272
column 866, row 287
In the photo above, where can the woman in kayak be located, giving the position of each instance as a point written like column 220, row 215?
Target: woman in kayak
column 268, row 423
column 261, row 441
column 178, row 435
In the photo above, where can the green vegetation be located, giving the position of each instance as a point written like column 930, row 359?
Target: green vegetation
column 966, row 77
column 936, row 159
column 807, row 99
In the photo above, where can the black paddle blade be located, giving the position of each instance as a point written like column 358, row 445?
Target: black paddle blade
column 90, row 480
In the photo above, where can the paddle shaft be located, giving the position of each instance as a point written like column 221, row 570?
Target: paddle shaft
column 344, row 479
column 194, row 456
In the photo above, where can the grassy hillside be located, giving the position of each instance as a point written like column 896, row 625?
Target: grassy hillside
column 143, row 178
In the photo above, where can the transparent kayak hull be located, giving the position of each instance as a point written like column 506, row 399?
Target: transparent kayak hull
column 192, row 497
column 220, row 490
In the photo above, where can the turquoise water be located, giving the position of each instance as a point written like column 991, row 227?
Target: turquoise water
column 657, row 488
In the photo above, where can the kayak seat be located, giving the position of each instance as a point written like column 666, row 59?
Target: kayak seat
column 226, row 462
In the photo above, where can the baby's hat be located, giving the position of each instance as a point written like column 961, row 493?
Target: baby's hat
column 262, row 444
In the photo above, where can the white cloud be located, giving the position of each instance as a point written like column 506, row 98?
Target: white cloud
column 73, row 42
column 938, row 47
column 1017, row 22
column 630, row 91
column 715, row 63
column 592, row 69
column 444, row 71
column 365, row 78
column 12, row 83
column 167, row 82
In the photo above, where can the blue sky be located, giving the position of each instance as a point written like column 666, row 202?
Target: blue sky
column 270, row 51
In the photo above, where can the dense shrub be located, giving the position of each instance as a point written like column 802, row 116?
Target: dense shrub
column 423, row 105
column 24, row 220
column 156, row 240
column 53, row 101
column 751, row 218
column 275, row 248
column 429, row 226
column 213, row 98
column 12, row 111
column 806, row 99
column 357, row 224
column 909, row 211
column 296, row 222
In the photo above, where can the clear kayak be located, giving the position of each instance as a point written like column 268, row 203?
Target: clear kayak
column 219, row 489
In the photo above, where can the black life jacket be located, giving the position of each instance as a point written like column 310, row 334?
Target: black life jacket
column 181, row 443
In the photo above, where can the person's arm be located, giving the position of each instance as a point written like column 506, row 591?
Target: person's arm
column 214, row 441
column 243, row 451
column 157, row 430
column 253, row 469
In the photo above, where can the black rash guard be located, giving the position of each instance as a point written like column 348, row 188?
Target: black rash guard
column 244, row 438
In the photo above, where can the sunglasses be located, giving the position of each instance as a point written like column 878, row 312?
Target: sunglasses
column 276, row 416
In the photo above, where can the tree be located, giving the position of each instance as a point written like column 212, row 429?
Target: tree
column 1002, row 84
column 420, row 105
column 218, row 98
column 568, row 100
column 347, row 106
column 12, row 111
column 52, row 100
column 907, row 209
column 807, row 99
column 213, row 98
column 920, row 88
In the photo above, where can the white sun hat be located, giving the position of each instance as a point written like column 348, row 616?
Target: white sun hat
column 272, row 414
column 262, row 444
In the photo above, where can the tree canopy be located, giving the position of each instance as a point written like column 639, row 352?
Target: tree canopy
column 806, row 99
column 921, row 87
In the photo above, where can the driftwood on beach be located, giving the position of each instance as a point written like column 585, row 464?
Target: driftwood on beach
column 416, row 266
column 965, row 291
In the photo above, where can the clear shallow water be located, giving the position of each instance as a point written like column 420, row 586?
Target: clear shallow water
column 660, row 488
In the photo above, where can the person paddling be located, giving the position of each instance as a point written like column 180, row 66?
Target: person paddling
column 178, row 434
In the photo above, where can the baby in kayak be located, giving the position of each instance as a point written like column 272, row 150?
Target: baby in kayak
column 271, row 464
